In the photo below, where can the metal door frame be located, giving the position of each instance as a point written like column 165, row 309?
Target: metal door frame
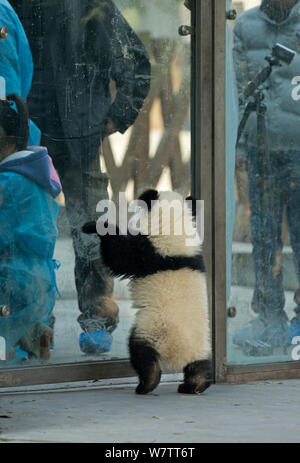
column 215, row 11
column 209, row 163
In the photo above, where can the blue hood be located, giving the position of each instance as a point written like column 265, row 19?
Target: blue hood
column 36, row 165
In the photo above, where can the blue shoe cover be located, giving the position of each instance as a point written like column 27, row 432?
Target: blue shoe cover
column 258, row 332
column 253, row 331
column 20, row 353
column 95, row 342
column 20, row 356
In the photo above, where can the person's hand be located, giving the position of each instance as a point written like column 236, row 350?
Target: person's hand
column 110, row 128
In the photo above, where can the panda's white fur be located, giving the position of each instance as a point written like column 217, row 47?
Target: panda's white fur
column 173, row 307
column 173, row 316
column 168, row 287
column 171, row 235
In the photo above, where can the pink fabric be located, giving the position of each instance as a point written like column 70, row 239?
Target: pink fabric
column 53, row 174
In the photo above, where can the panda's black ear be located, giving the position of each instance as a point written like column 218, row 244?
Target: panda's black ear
column 148, row 196
column 192, row 202
column 89, row 228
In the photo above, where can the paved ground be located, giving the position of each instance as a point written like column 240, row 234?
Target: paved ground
column 258, row 412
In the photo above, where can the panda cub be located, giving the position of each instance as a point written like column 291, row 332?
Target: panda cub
column 168, row 287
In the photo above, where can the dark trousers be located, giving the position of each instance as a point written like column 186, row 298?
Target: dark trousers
column 77, row 162
column 276, row 187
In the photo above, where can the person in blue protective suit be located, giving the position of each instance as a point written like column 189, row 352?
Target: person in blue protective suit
column 29, row 186
column 16, row 64
column 278, row 173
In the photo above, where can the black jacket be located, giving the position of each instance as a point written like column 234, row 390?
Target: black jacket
column 77, row 47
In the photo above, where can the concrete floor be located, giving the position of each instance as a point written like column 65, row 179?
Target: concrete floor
column 112, row 413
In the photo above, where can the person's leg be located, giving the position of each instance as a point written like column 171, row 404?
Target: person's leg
column 293, row 207
column 266, row 206
column 77, row 162
column 293, row 218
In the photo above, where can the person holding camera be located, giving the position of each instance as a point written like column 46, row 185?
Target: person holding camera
column 256, row 32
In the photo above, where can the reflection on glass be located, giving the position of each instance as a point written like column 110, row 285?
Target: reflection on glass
column 266, row 240
column 108, row 96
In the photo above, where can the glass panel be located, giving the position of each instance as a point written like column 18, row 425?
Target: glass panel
column 107, row 133
column 263, row 182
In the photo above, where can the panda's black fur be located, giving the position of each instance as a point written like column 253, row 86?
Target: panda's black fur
column 140, row 259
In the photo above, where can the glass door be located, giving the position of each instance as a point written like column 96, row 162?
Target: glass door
column 262, row 185
column 108, row 91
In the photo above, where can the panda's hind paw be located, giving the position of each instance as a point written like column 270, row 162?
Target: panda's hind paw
column 146, row 386
column 142, row 388
column 188, row 388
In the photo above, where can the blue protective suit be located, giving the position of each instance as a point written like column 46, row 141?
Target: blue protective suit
column 16, row 65
column 28, row 213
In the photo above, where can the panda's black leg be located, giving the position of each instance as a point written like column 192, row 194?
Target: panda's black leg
column 145, row 361
column 197, row 377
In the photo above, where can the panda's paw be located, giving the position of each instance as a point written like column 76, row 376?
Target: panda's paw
column 189, row 388
column 144, row 388
column 148, row 385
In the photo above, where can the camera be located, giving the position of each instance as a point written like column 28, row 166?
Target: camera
column 283, row 54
